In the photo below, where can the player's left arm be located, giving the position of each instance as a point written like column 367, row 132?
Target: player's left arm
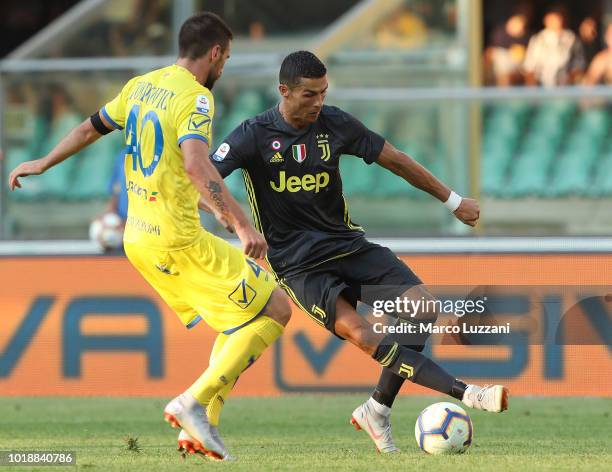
column 78, row 138
column 401, row 164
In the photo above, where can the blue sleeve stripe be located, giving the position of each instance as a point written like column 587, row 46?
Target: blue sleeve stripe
column 194, row 322
column 192, row 136
column 109, row 119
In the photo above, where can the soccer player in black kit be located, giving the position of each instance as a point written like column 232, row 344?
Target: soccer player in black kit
column 289, row 156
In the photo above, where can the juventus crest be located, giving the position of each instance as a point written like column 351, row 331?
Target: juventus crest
column 323, row 144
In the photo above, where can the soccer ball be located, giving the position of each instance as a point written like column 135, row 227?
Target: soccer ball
column 107, row 231
column 443, row 428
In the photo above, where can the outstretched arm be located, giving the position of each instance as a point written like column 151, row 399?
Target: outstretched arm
column 217, row 197
column 80, row 137
column 465, row 209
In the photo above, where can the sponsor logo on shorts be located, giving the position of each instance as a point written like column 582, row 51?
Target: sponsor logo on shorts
column 243, row 294
column 163, row 268
column 320, row 312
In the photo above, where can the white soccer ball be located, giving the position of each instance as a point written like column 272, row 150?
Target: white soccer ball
column 107, row 231
column 444, row 428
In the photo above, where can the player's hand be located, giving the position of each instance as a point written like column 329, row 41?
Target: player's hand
column 23, row 170
column 253, row 243
column 468, row 212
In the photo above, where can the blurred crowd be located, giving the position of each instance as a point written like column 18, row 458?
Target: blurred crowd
column 117, row 28
column 21, row 19
column 553, row 56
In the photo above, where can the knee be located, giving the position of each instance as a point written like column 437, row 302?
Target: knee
column 428, row 313
column 427, row 317
column 350, row 333
column 354, row 333
column 279, row 308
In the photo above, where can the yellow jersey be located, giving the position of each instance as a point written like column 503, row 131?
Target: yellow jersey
column 158, row 111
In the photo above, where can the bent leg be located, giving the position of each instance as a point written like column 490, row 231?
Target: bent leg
column 388, row 351
column 239, row 351
column 278, row 309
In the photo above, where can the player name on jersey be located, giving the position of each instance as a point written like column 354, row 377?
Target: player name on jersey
column 148, row 93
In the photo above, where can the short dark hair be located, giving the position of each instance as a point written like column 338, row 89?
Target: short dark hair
column 558, row 9
column 201, row 32
column 300, row 64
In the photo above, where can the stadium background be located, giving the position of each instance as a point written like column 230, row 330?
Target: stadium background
column 76, row 321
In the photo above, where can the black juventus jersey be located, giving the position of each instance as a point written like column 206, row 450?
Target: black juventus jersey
column 294, row 186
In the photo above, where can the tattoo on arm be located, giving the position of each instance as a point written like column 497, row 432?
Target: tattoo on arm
column 216, row 195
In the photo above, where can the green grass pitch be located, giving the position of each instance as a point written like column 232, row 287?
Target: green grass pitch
column 309, row 432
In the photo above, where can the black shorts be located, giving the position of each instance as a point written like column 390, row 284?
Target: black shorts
column 371, row 273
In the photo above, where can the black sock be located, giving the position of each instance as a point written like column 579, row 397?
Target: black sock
column 458, row 389
column 389, row 385
column 417, row 368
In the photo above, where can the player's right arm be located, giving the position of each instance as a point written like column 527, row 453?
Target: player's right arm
column 216, row 196
column 110, row 117
column 77, row 139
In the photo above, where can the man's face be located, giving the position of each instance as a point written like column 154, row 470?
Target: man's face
column 218, row 58
column 515, row 26
column 306, row 99
column 553, row 21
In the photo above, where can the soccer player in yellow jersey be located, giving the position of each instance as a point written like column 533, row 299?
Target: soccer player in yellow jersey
column 166, row 116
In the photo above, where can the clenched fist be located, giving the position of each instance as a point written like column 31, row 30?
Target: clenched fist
column 468, row 212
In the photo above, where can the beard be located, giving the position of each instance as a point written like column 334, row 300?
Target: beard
column 211, row 79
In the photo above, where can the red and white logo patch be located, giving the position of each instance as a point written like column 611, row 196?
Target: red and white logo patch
column 276, row 144
column 220, row 153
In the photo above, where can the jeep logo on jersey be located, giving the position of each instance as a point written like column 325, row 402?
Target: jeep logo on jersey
column 299, row 152
column 293, row 184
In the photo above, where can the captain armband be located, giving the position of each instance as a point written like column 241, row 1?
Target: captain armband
column 98, row 124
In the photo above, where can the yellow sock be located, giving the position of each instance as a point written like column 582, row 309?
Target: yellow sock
column 213, row 410
column 238, row 351
column 216, row 349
